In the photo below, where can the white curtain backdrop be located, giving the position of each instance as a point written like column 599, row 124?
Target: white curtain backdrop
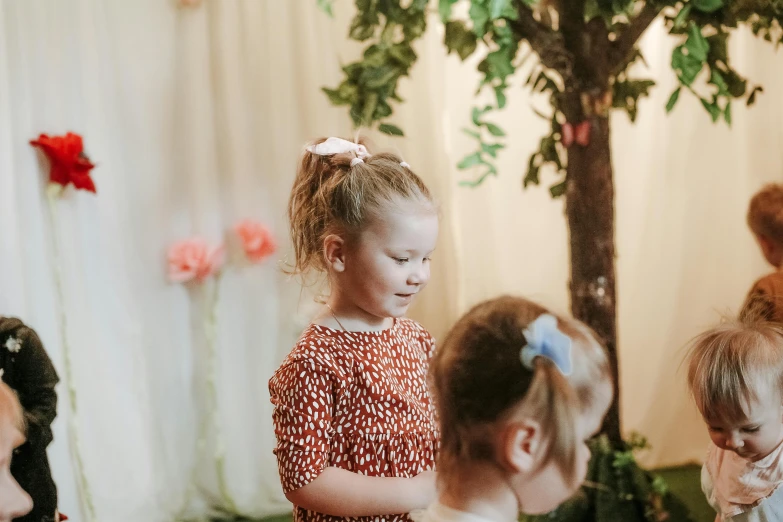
column 196, row 116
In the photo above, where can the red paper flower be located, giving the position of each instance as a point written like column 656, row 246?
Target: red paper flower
column 69, row 163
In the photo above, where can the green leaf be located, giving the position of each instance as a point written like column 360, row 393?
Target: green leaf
column 685, row 65
column 497, row 8
column 326, row 7
column 480, row 16
column 718, row 48
column 444, row 8
column 477, row 113
column 558, row 189
column 673, row 99
column 472, row 134
column 377, row 77
column 470, row 161
column 679, row 20
column 727, row 113
column 549, row 150
column 499, row 63
column 494, row 129
column 707, row 6
column 492, row 149
column 737, row 84
column 533, row 168
column 716, row 78
column 477, row 182
column 459, row 39
column 501, row 96
column 712, row 108
column 491, row 171
column 391, row 130
column 403, row 53
column 697, row 44
column 383, row 110
column 752, row 96
column 368, row 109
column 334, row 96
column 361, row 31
column 659, row 485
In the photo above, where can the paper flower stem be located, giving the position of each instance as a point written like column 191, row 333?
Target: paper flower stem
column 211, row 418
column 52, row 195
column 211, row 333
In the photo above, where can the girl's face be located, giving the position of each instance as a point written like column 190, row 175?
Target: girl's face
column 755, row 436
column 548, row 486
column 389, row 264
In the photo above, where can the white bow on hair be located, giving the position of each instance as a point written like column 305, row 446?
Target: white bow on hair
column 338, row 146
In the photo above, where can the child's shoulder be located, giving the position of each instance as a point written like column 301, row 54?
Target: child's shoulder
column 12, row 326
column 316, row 341
column 771, row 284
column 410, row 326
column 320, row 346
column 416, row 333
column 15, row 330
column 320, row 350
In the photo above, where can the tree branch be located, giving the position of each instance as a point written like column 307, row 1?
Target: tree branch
column 572, row 21
column 622, row 47
column 547, row 43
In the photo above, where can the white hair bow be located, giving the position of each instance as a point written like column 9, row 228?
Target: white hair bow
column 338, row 146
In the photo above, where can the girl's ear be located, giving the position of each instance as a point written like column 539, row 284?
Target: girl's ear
column 334, row 252
column 519, row 445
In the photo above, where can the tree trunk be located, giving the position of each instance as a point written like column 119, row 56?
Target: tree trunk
column 590, row 211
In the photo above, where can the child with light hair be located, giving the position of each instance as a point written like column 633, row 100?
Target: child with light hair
column 735, row 373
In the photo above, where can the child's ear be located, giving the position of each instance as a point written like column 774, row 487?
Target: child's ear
column 519, row 445
column 334, row 252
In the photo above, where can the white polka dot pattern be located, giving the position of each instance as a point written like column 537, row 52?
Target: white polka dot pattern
column 357, row 401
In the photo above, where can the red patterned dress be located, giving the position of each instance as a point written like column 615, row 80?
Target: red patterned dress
column 357, row 401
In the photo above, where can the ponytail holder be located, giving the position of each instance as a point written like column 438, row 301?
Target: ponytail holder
column 356, row 160
column 544, row 339
column 404, row 164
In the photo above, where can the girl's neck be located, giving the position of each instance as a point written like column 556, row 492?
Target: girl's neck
column 342, row 314
column 481, row 490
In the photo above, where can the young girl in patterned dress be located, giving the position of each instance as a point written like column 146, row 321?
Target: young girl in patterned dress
column 356, row 430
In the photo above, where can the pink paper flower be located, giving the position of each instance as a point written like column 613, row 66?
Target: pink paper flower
column 194, row 260
column 255, row 239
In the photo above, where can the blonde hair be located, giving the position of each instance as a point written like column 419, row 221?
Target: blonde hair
column 765, row 213
column 479, row 379
column 729, row 364
column 330, row 195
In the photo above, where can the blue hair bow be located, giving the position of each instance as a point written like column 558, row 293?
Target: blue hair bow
column 545, row 340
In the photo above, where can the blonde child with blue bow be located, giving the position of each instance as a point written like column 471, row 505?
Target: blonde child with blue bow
column 356, row 431
column 519, row 391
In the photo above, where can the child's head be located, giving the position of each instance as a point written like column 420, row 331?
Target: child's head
column 367, row 221
column 14, row 502
column 502, row 406
column 765, row 218
column 735, row 373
